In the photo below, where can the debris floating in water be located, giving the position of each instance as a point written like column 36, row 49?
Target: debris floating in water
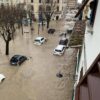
column 59, row 75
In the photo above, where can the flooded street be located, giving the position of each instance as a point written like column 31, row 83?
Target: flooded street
column 36, row 78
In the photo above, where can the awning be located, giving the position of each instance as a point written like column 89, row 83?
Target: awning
column 82, row 7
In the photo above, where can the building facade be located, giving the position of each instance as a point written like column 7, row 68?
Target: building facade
column 34, row 6
column 87, row 70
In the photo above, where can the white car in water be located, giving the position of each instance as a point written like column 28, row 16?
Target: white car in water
column 39, row 40
column 2, row 77
column 59, row 50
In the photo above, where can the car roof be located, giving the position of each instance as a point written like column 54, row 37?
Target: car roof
column 39, row 38
column 17, row 56
column 59, row 47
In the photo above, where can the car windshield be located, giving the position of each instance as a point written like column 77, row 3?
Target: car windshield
column 57, row 50
column 42, row 39
column 63, row 42
column 14, row 59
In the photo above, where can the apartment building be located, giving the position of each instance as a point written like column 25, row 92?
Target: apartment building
column 35, row 6
column 87, row 82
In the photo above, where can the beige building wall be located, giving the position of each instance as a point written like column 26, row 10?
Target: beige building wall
column 35, row 4
column 71, row 3
column 36, row 7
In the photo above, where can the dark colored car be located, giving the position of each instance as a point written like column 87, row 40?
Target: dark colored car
column 63, row 41
column 51, row 31
column 17, row 59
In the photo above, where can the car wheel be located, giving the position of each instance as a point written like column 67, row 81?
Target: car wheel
column 2, row 79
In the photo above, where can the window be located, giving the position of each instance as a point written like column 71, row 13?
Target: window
column 57, row 8
column 93, row 7
column 42, row 39
column 37, row 40
column 48, row 8
column 57, row 50
column 47, row 1
column 31, row 1
column 39, row 1
column 40, row 8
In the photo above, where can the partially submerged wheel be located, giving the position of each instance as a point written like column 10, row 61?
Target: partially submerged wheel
column 2, row 79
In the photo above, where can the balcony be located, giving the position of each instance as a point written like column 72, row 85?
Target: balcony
column 77, row 34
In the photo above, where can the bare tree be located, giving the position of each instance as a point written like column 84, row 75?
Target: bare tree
column 21, row 14
column 9, row 18
column 31, row 17
column 48, row 9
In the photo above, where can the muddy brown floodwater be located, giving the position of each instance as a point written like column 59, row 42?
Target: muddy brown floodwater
column 36, row 78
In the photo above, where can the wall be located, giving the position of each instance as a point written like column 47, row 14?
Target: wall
column 91, row 43
column 93, row 40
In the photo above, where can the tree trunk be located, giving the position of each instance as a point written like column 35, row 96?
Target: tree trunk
column 38, row 29
column 7, row 48
column 48, row 24
column 22, row 28
column 42, row 25
column 31, row 26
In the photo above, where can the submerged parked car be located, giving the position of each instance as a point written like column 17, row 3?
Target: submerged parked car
column 17, row 59
column 2, row 78
column 39, row 40
column 59, row 50
column 63, row 42
column 51, row 31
